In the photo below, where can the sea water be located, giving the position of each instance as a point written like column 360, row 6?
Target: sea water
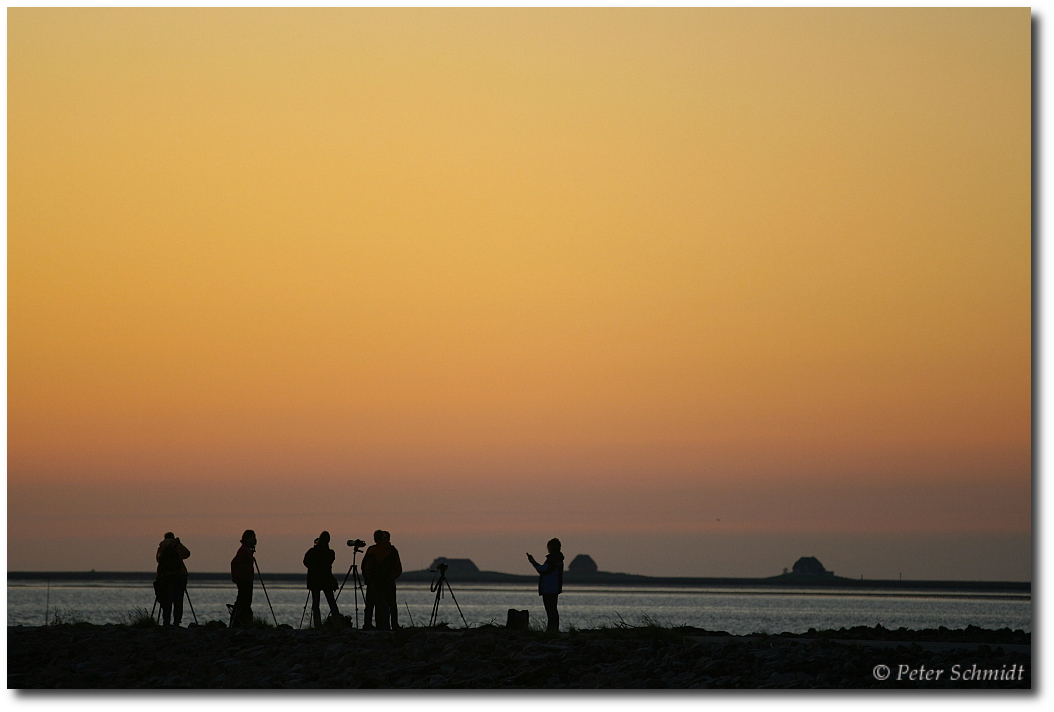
column 737, row 611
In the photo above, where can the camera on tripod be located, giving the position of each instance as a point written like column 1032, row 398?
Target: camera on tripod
column 437, row 588
column 357, row 543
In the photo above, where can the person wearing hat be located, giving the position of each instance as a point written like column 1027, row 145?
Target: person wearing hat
column 319, row 562
column 242, row 574
column 171, row 580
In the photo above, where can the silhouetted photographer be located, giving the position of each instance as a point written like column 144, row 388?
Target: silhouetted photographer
column 319, row 562
column 171, row 582
column 242, row 574
column 550, row 582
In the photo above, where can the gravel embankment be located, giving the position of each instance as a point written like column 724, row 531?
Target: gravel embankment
column 109, row 656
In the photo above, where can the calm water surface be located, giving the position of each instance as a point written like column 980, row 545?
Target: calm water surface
column 736, row 611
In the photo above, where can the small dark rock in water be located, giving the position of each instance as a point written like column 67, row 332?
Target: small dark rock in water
column 490, row 657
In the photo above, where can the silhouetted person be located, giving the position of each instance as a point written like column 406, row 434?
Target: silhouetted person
column 550, row 582
column 381, row 566
column 367, row 578
column 171, row 577
column 242, row 575
column 390, row 568
column 319, row 563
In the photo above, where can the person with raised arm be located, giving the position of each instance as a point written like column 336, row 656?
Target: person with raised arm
column 550, row 582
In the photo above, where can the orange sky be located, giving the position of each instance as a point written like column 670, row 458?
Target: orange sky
column 512, row 273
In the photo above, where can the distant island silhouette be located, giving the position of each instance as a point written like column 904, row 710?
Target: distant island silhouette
column 583, row 564
column 809, row 566
column 807, row 572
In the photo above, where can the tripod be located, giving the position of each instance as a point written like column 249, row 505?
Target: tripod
column 356, row 583
column 437, row 589
column 260, row 574
column 157, row 600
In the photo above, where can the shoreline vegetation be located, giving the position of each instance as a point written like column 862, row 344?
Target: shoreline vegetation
column 595, row 578
column 140, row 654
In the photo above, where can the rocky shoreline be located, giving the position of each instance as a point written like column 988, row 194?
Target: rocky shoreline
column 85, row 656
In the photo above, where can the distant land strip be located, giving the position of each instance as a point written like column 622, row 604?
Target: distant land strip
column 595, row 578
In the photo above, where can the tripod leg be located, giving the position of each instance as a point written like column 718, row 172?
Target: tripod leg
column 354, row 565
column 258, row 573
column 305, row 611
column 456, row 604
column 357, row 584
column 435, row 607
column 191, row 606
column 337, row 597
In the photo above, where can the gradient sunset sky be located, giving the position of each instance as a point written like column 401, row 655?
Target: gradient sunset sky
column 699, row 291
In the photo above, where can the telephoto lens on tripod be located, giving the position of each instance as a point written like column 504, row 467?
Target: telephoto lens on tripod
column 353, row 572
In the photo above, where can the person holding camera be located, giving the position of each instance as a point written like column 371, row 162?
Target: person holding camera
column 171, row 582
column 319, row 562
column 242, row 574
column 380, row 567
column 550, row 582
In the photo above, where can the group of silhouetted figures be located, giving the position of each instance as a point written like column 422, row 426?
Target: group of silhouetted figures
column 381, row 566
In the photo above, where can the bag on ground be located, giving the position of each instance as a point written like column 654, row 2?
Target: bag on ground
column 518, row 620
